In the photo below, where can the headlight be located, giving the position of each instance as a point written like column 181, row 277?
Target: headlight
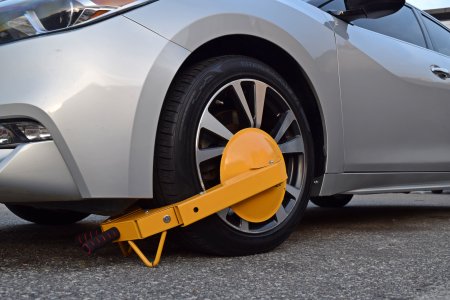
column 20, row 19
column 13, row 133
column 6, row 136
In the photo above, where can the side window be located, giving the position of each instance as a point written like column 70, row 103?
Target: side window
column 440, row 37
column 402, row 25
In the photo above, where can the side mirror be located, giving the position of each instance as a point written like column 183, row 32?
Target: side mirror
column 370, row 9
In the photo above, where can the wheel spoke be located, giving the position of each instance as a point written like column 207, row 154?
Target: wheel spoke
column 210, row 123
column 260, row 98
column 224, row 213
column 293, row 191
column 244, row 225
column 208, row 153
column 295, row 145
column 283, row 124
column 243, row 101
column 281, row 214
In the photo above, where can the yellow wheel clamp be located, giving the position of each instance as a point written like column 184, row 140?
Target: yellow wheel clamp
column 253, row 182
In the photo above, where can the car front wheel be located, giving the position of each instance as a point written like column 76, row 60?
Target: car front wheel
column 207, row 105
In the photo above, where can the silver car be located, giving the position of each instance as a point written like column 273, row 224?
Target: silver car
column 106, row 104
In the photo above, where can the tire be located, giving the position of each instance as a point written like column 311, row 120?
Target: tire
column 46, row 216
column 334, row 201
column 182, row 136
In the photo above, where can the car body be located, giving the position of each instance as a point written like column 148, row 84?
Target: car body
column 377, row 112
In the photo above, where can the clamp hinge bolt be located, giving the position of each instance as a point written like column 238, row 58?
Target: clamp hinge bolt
column 167, row 219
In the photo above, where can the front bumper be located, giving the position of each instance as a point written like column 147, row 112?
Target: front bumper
column 99, row 91
column 35, row 172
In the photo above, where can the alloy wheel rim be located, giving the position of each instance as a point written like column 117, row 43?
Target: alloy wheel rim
column 242, row 104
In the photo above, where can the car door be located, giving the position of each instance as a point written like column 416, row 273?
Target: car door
column 395, row 107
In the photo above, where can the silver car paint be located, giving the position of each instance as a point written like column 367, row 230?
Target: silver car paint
column 36, row 172
column 109, row 80
column 296, row 33
column 281, row 31
column 84, row 86
column 396, row 115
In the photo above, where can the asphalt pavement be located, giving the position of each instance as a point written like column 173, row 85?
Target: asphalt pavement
column 394, row 246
